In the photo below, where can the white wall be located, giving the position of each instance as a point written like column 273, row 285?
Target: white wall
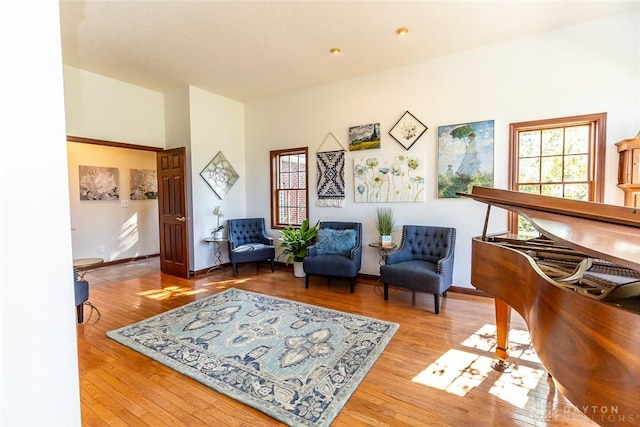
column 102, row 108
column 588, row 68
column 38, row 349
column 102, row 228
column 217, row 124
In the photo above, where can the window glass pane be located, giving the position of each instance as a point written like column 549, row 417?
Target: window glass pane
column 531, row 189
column 554, row 190
column 576, row 140
column 551, row 169
column 285, row 181
column 529, row 170
column 284, row 164
column 552, row 141
column 576, row 168
column 525, row 228
column 576, row 191
column 529, row 143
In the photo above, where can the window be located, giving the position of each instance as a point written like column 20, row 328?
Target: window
column 561, row 157
column 289, row 193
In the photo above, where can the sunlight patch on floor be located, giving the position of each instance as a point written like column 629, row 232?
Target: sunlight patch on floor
column 514, row 387
column 170, row 292
column 458, row 371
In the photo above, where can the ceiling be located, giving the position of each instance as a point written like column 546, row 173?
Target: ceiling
column 250, row 50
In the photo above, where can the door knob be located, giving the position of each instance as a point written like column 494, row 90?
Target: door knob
column 181, row 219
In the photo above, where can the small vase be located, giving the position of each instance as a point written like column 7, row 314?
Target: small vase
column 385, row 240
column 298, row 269
column 217, row 235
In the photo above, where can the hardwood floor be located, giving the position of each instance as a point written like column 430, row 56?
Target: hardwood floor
column 120, row 387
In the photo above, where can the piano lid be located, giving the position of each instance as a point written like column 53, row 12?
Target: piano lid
column 599, row 230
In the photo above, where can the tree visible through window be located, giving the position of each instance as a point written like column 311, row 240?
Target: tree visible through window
column 289, row 194
column 557, row 157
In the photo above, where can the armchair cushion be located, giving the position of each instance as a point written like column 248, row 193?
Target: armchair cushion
column 331, row 241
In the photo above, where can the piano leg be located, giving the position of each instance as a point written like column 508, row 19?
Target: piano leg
column 503, row 324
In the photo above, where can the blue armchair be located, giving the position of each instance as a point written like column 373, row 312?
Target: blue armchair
column 248, row 242
column 81, row 288
column 423, row 262
column 338, row 252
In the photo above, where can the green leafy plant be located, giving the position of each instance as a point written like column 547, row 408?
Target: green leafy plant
column 386, row 221
column 294, row 241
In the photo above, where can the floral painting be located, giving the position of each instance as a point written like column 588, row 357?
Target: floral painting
column 220, row 175
column 389, row 179
column 99, row 183
column 407, row 130
column 465, row 157
column 143, row 184
column 364, row 137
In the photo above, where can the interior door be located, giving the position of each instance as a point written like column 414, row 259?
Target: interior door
column 173, row 215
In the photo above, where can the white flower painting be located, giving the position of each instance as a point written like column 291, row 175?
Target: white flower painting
column 99, row 183
column 389, row 179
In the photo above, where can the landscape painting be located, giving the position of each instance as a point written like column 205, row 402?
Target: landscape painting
column 465, row 157
column 364, row 137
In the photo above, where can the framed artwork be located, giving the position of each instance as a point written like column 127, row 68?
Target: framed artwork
column 389, row 179
column 143, row 184
column 364, row 137
column 407, row 130
column 99, row 183
column 220, row 175
column 465, row 157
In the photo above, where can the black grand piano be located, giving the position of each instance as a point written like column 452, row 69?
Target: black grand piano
column 577, row 286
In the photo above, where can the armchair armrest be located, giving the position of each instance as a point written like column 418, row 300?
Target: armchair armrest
column 401, row 255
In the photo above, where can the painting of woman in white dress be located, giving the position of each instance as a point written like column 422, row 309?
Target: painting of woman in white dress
column 465, row 157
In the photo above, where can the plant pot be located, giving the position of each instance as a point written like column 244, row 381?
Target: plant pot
column 218, row 235
column 385, row 240
column 298, row 270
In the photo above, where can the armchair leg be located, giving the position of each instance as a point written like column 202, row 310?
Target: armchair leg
column 436, row 303
column 234, row 267
column 80, row 312
column 386, row 291
column 273, row 266
column 306, row 280
column 444, row 294
column 352, row 283
column 258, row 267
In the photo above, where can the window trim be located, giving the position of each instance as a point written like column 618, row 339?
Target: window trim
column 597, row 152
column 274, row 157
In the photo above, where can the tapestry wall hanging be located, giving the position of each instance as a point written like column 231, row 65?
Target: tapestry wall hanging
column 330, row 181
column 364, row 137
column 465, row 157
column 220, row 175
column 393, row 179
column 99, row 183
column 143, row 184
column 407, row 130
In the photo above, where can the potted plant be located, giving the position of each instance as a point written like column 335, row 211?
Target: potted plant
column 385, row 222
column 294, row 243
column 217, row 232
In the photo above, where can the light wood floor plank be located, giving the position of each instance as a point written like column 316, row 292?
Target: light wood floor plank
column 122, row 387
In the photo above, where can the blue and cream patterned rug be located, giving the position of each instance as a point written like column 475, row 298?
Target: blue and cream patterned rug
column 295, row 362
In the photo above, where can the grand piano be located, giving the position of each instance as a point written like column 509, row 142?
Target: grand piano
column 577, row 286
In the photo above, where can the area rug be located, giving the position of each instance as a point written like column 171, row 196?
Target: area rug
column 296, row 362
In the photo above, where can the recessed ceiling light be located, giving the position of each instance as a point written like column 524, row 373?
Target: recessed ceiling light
column 335, row 50
column 401, row 31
